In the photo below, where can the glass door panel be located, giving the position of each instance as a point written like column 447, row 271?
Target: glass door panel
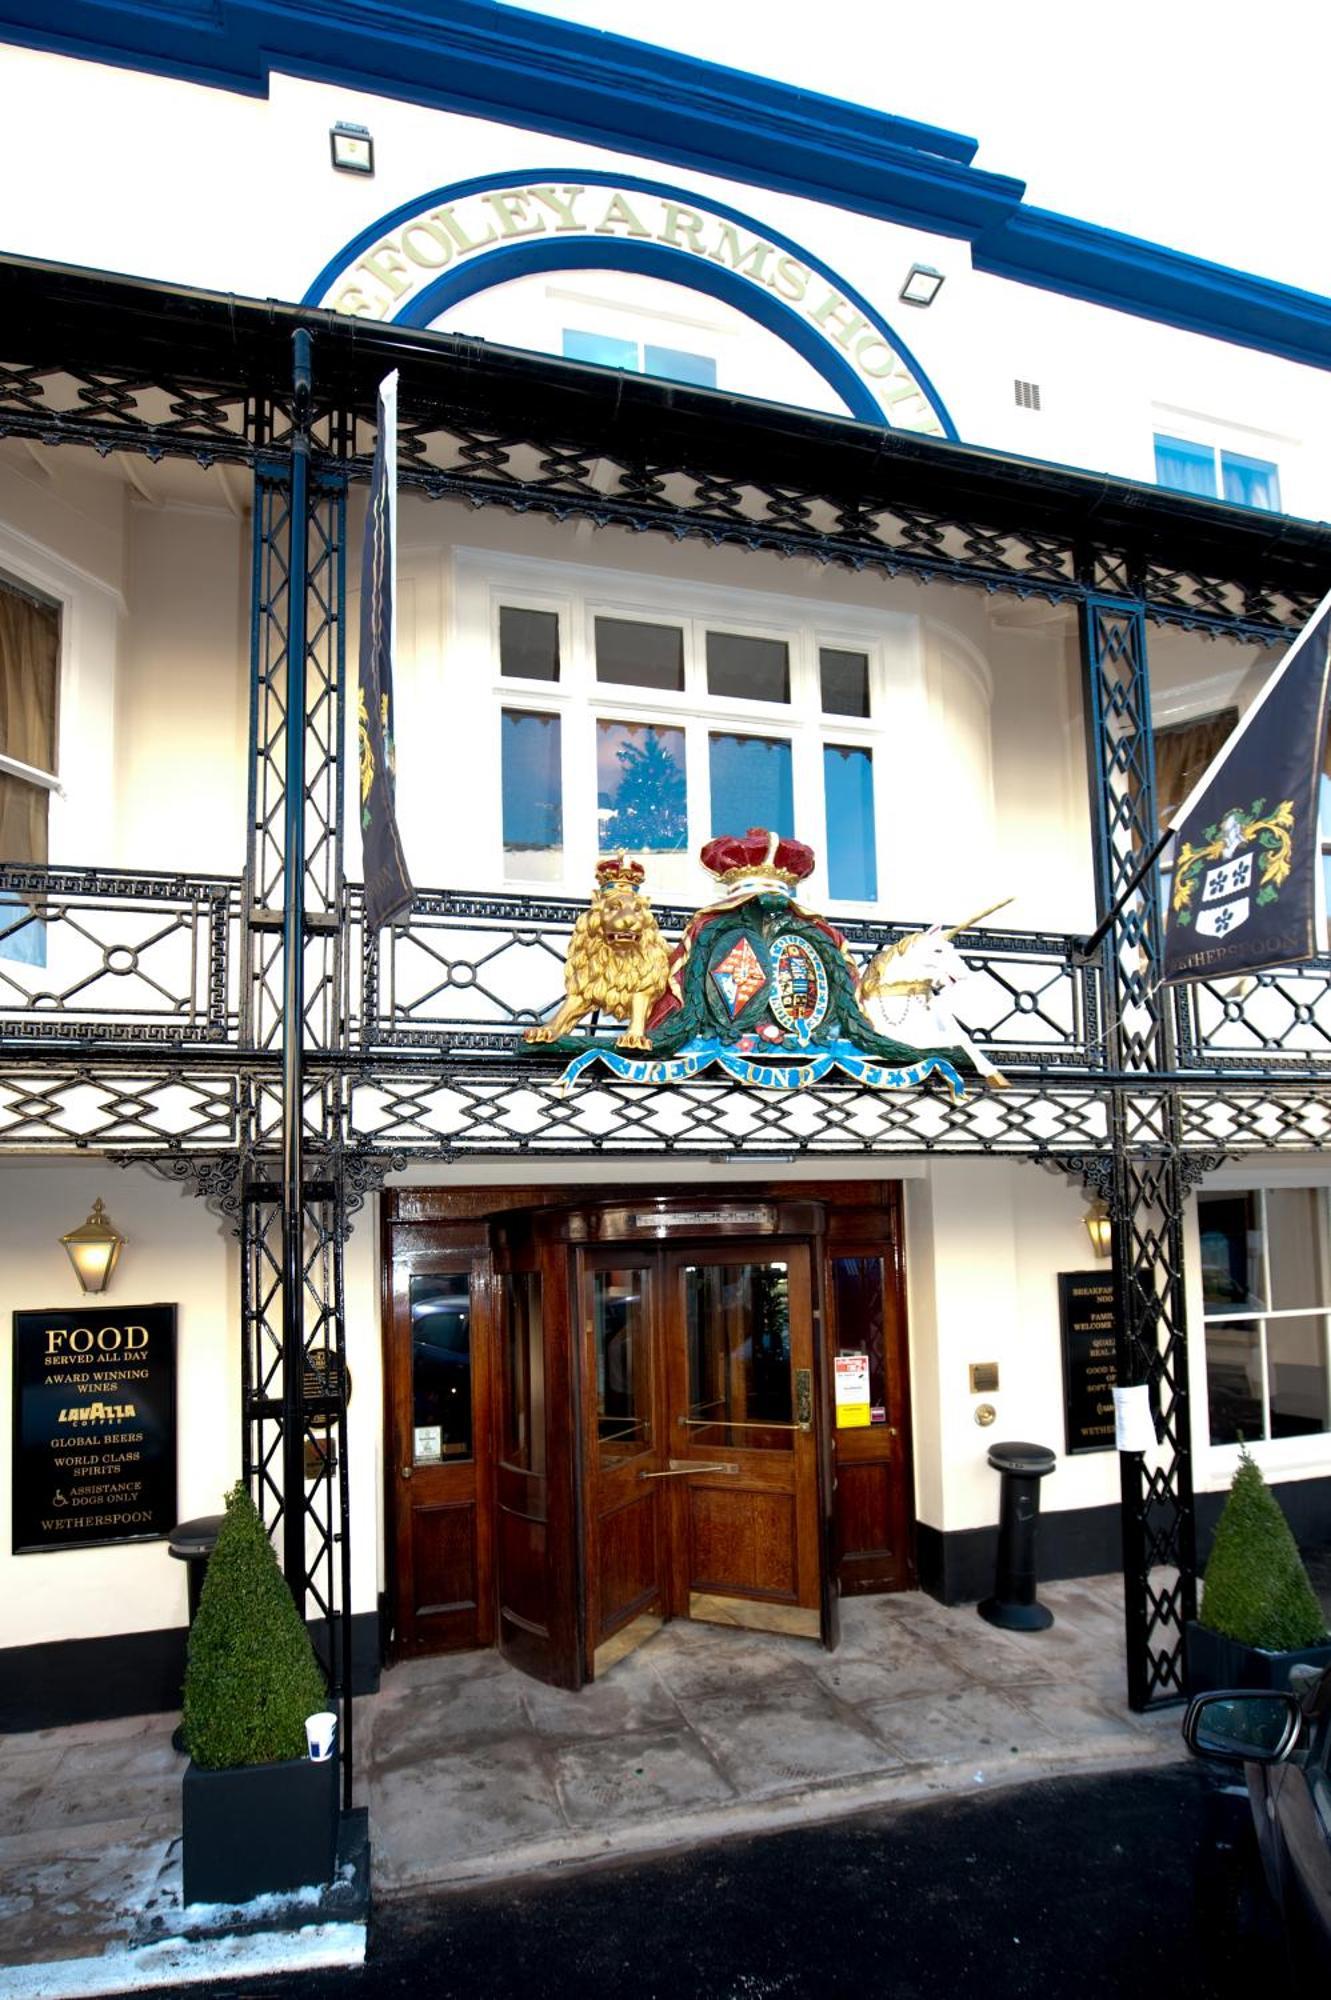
column 441, row 1419
column 621, row 1340
column 740, row 1392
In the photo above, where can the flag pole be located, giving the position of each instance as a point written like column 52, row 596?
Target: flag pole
column 1082, row 948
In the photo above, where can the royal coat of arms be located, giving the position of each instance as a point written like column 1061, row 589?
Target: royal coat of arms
column 758, row 986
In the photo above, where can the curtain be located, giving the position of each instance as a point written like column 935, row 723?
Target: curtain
column 1182, row 753
column 29, row 673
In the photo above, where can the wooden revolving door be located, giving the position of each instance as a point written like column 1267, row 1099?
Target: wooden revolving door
column 661, row 1449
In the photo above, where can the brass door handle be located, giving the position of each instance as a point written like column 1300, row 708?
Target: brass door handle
column 680, row 1468
column 406, row 1472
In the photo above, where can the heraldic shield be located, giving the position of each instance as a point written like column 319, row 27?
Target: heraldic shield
column 758, row 986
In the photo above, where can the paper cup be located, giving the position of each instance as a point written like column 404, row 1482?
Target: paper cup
column 321, row 1734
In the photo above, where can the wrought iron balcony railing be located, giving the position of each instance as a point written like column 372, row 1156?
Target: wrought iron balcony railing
column 92, row 959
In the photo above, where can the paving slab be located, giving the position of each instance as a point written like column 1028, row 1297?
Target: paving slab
column 472, row 1772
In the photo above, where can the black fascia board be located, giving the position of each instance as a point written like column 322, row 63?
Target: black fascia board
column 72, row 316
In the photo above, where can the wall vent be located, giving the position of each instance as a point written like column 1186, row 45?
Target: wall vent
column 1028, row 395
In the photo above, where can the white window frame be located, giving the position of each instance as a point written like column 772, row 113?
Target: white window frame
column 1216, row 436
column 82, row 788
column 888, row 638
column 1310, row 1451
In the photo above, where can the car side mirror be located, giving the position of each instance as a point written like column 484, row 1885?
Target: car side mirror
column 1243, row 1725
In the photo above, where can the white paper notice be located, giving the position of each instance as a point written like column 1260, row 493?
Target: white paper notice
column 850, row 1381
column 1134, row 1426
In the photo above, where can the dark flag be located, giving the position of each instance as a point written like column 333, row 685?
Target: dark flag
column 388, row 891
column 1245, row 889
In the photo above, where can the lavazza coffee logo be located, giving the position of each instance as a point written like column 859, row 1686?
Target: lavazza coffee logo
column 387, row 277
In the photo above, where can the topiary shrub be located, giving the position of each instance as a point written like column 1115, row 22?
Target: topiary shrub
column 1256, row 1589
column 251, row 1677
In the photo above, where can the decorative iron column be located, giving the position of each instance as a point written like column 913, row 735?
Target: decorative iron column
column 1159, row 1533
column 293, row 1207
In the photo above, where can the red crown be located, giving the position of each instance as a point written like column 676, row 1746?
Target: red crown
column 732, row 856
column 617, row 871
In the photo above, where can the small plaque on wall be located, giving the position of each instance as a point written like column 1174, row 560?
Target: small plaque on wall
column 1090, row 1366
column 94, row 1426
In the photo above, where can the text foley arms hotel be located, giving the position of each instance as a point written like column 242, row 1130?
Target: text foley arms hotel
column 795, row 529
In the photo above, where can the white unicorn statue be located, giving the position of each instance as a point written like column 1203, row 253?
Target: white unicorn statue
column 904, row 993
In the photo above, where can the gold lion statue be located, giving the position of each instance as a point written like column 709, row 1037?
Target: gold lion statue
column 617, row 959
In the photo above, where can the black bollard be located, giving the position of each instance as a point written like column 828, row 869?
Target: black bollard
column 1013, row 1604
column 193, row 1542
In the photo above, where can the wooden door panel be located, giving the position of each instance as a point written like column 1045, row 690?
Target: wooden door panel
column 627, row 1580
column 743, row 1543
column 437, row 1362
column 444, row 1558
column 874, row 1497
column 736, row 1355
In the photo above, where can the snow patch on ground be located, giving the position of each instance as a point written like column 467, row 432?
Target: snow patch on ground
column 177, row 1962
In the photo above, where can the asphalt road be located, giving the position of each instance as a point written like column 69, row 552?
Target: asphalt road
column 1080, row 1887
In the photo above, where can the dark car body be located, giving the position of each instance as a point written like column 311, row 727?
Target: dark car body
column 1289, row 1789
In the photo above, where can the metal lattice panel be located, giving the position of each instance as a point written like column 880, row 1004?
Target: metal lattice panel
column 1160, row 1560
column 444, row 1115
column 117, row 958
column 63, row 1106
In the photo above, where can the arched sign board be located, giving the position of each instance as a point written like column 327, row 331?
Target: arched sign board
column 425, row 257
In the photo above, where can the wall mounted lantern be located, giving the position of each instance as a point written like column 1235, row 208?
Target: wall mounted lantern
column 93, row 1248
column 922, row 286
column 352, row 147
column 1099, row 1227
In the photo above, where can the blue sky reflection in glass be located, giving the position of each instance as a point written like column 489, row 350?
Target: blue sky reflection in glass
column 752, row 784
column 533, row 793
column 641, row 789
column 852, row 863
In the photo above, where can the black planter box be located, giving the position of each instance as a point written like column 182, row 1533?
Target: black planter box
column 1212, row 1661
column 258, row 1830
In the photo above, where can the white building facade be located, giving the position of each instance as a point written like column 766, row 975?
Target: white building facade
column 764, row 463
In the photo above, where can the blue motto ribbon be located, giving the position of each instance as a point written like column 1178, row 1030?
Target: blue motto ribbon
column 707, row 1050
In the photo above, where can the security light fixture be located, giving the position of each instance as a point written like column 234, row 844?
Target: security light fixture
column 1099, row 1227
column 353, row 148
column 93, row 1248
column 922, row 286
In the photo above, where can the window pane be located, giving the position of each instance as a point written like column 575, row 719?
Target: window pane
column 533, row 810
column 675, row 365
column 1296, row 1367
column 1231, row 1248
column 1294, row 1247
column 857, row 1296
column 622, row 1344
column 22, row 932
column 752, row 784
column 602, row 348
column 738, row 1320
column 641, row 790
column 1234, row 1383
column 852, row 863
column 748, row 669
column 522, row 1363
column 528, row 643
column 1251, row 482
column 634, row 655
column 441, row 1367
column 1187, row 468
column 845, row 678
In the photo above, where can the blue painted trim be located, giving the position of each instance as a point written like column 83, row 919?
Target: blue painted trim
column 488, row 61
column 1080, row 260
column 655, row 260
column 544, row 75
column 627, row 254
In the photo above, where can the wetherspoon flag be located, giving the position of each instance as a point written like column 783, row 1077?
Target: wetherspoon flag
column 388, row 890
column 1244, row 889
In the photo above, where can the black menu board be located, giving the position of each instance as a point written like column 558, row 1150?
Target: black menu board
column 1086, row 1318
column 94, row 1426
